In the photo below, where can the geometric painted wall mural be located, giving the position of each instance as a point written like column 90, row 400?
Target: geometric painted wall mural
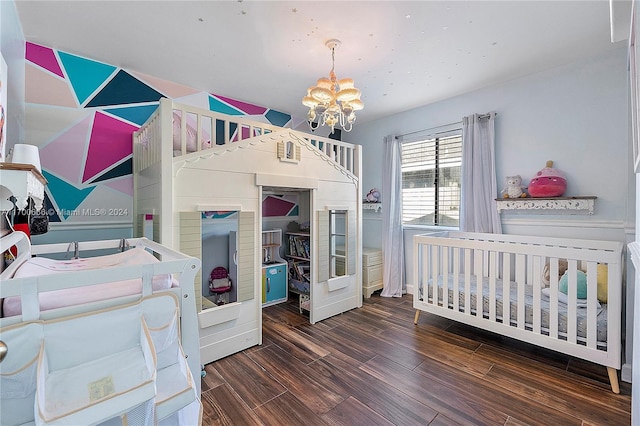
column 82, row 113
column 278, row 206
column 273, row 206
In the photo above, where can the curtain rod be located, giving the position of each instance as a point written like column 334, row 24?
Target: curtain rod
column 487, row 115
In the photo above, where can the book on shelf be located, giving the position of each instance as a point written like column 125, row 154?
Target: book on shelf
column 299, row 247
column 300, row 270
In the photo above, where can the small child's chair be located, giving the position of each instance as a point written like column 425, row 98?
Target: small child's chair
column 219, row 284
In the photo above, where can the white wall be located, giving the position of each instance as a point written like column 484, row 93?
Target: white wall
column 576, row 115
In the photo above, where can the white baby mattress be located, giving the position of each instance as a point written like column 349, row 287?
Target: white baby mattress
column 38, row 266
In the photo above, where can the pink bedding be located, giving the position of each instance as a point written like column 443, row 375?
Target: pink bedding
column 205, row 140
column 76, row 296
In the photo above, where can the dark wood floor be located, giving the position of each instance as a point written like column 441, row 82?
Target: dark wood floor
column 373, row 366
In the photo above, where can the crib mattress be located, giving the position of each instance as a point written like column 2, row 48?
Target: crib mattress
column 38, row 266
column 528, row 301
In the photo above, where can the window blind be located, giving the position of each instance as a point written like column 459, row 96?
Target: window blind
column 431, row 180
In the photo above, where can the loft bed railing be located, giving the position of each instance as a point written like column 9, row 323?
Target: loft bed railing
column 199, row 130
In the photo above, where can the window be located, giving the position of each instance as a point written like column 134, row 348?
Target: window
column 431, row 180
column 337, row 242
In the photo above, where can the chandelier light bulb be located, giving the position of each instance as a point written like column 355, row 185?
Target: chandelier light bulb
column 333, row 101
column 325, row 83
column 346, row 83
column 309, row 101
column 347, row 95
column 322, row 94
column 356, row 104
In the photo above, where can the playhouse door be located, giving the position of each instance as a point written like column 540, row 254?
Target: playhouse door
column 336, row 288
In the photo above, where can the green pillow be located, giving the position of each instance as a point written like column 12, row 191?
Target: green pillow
column 563, row 285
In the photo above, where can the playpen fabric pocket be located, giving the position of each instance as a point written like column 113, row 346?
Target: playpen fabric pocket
column 87, row 380
column 117, row 366
column 175, row 386
column 18, row 372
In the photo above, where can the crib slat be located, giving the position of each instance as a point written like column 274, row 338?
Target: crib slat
column 456, row 279
column 445, row 276
column 572, row 292
column 423, row 278
column 592, row 309
column 506, row 288
column 553, row 297
column 467, row 281
column 537, row 269
column 520, row 281
column 435, row 254
column 426, row 272
column 493, row 259
column 478, row 265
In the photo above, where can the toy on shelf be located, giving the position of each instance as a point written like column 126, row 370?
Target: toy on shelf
column 514, row 188
column 373, row 196
column 549, row 182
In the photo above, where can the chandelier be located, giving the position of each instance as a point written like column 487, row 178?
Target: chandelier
column 333, row 101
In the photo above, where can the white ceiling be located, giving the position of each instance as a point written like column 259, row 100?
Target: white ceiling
column 401, row 54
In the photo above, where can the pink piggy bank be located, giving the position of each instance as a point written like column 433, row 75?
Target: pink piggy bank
column 549, row 182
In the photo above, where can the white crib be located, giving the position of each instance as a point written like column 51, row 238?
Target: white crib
column 451, row 270
column 84, row 348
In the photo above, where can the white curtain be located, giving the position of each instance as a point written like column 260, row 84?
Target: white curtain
column 392, row 240
column 478, row 212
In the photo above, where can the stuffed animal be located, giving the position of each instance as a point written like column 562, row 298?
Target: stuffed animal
column 373, row 196
column 514, row 188
column 581, row 283
column 549, row 182
column 563, row 265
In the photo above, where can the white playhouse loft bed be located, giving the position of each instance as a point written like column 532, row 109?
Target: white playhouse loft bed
column 546, row 305
column 178, row 135
column 111, row 337
column 189, row 160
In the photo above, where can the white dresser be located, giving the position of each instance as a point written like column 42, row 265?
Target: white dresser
column 371, row 270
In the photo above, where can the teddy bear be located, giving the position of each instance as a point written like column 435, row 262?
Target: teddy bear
column 514, row 188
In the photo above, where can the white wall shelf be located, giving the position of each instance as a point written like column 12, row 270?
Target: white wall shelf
column 22, row 181
column 551, row 205
column 372, row 206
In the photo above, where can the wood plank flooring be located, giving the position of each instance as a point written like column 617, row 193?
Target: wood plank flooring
column 373, row 366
